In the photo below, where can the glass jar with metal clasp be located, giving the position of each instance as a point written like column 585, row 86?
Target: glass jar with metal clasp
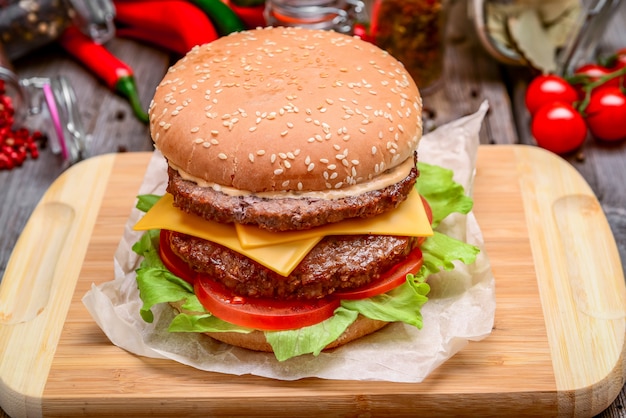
column 337, row 15
column 549, row 36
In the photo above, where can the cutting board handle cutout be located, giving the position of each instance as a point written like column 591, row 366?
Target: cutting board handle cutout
column 579, row 215
column 43, row 240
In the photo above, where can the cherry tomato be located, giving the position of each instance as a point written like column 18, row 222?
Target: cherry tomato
column 620, row 59
column 548, row 88
column 262, row 314
column 558, row 127
column 606, row 114
column 620, row 64
column 595, row 72
column 388, row 281
column 171, row 261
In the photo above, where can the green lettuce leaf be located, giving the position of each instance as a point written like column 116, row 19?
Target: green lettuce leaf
column 403, row 304
column 203, row 322
column 442, row 193
column 312, row 339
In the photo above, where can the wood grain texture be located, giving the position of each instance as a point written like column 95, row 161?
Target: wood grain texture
column 546, row 355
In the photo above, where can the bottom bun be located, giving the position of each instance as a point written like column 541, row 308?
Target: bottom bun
column 256, row 341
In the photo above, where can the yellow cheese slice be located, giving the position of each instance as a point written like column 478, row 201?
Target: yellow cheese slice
column 282, row 252
column 282, row 258
column 409, row 220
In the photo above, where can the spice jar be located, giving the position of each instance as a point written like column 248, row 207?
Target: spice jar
column 26, row 25
column 12, row 91
column 52, row 98
column 413, row 32
column 337, row 15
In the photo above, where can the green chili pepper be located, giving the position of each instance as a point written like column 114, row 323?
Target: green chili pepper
column 223, row 17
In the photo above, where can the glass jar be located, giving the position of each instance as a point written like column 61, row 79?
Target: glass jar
column 337, row 15
column 52, row 98
column 413, row 31
column 26, row 25
column 12, row 90
column 587, row 34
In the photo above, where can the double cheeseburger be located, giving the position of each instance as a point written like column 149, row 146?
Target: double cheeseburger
column 291, row 200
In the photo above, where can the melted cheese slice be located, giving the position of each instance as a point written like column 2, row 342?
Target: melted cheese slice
column 282, row 252
column 409, row 220
column 282, row 258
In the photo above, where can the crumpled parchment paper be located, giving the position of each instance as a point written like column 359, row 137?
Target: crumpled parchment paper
column 460, row 309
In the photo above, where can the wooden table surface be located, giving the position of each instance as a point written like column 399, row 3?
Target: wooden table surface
column 471, row 76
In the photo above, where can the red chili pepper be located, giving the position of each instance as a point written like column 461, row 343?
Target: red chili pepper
column 115, row 73
column 252, row 16
column 176, row 25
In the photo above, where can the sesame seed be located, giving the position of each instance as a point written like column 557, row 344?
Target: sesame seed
column 194, row 129
column 278, row 171
column 260, row 152
column 283, row 133
column 198, row 140
column 287, row 164
column 206, row 144
column 252, row 128
column 310, row 167
column 332, row 166
column 222, row 156
column 251, row 157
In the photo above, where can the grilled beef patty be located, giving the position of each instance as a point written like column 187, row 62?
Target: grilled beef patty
column 284, row 214
column 336, row 262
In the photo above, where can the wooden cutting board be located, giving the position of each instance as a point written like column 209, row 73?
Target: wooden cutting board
column 557, row 347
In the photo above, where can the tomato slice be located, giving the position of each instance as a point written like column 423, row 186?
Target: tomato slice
column 262, row 314
column 388, row 281
column 171, row 261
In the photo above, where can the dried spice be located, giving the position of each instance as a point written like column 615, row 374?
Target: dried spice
column 28, row 24
column 413, row 32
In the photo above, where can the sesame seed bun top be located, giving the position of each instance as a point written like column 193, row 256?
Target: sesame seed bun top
column 286, row 109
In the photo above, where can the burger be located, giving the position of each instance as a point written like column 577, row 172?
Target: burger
column 292, row 220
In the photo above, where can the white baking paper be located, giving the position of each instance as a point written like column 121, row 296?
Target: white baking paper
column 460, row 309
